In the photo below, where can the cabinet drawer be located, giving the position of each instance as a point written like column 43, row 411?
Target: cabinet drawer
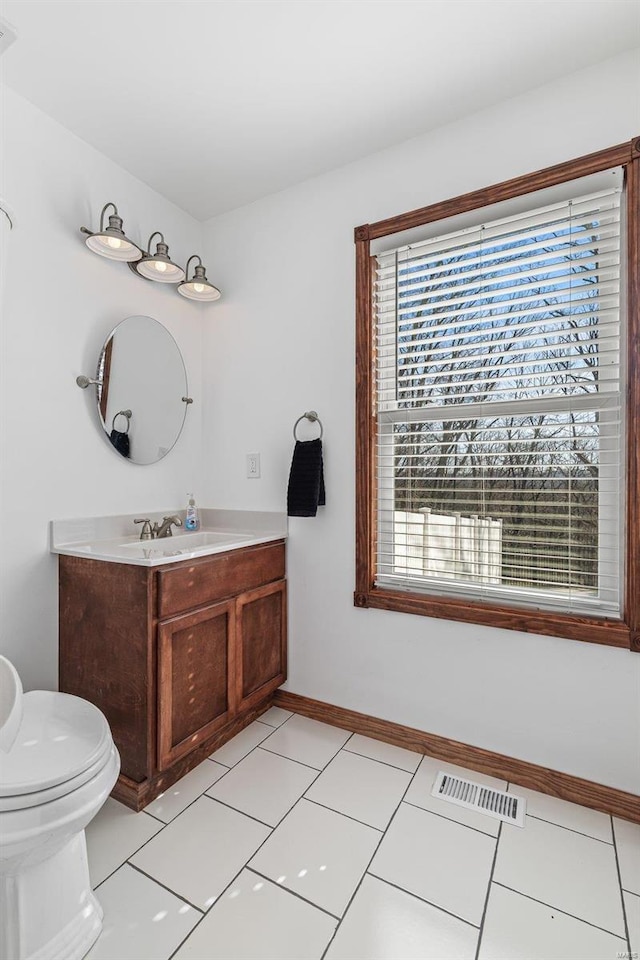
column 214, row 578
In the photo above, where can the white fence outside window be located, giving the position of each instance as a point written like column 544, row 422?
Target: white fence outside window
column 448, row 546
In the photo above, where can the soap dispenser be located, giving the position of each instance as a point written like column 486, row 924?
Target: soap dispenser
column 192, row 521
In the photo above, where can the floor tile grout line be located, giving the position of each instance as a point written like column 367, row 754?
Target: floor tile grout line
column 180, row 896
column 259, row 746
column 363, row 756
column 563, row 826
column 624, row 906
column 488, row 893
column 276, row 707
column 264, row 822
column 394, row 766
column 340, row 748
column 366, row 869
column 159, row 819
column 184, row 810
column 216, row 900
column 166, row 823
column 342, row 813
column 209, row 909
column 442, row 816
column 429, row 903
column 218, row 762
column 108, row 877
column 552, row 906
column 294, row 804
column 133, row 852
column 292, row 759
column 191, row 803
column 331, row 759
column 241, row 813
column 257, row 720
column 212, row 756
column 184, row 940
column 294, row 893
column 348, row 740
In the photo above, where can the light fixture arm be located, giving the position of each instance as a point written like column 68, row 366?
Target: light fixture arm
column 186, row 269
column 104, row 210
column 155, row 234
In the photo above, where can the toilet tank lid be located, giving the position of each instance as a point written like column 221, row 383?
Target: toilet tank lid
column 59, row 737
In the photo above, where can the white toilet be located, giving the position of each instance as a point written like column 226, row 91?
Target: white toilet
column 58, row 764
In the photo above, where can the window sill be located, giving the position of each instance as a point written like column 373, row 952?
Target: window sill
column 613, row 633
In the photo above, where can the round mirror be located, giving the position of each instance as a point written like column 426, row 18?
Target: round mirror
column 142, row 391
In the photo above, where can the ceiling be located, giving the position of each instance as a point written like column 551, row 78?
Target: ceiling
column 216, row 103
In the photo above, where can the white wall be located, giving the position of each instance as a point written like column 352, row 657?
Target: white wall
column 60, row 302
column 282, row 342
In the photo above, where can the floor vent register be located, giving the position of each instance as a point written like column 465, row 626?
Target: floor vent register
column 475, row 796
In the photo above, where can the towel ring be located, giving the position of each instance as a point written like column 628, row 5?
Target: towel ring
column 312, row 416
column 122, row 413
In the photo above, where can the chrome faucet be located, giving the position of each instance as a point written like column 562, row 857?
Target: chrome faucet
column 164, row 530
column 158, row 531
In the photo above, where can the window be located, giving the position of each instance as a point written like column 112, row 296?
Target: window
column 497, row 382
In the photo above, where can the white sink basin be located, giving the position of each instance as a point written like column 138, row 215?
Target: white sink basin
column 188, row 542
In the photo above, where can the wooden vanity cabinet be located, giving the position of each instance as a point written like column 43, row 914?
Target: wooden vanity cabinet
column 179, row 657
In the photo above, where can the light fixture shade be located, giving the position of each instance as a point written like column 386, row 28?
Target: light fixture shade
column 159, row 266
column 113, row 247
column 198, row 288
column 112, row 242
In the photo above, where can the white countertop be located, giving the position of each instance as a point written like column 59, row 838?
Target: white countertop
column 111, row 538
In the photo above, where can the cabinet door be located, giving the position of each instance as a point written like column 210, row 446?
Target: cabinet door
column 261, row 626
column 196, row 678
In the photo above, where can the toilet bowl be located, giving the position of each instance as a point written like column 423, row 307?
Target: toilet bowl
column 54, row 778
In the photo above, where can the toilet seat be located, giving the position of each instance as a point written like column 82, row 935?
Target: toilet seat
column 63, row 742
column 21, row 801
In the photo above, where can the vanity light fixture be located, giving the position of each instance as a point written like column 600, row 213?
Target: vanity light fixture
column 112, row 242
column 198, row 288
column 159, row 266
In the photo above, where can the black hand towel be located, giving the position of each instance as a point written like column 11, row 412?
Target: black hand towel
column 306, row 479
column 121, row 442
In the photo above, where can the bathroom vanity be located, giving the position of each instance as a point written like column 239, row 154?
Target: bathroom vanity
column 179, row 648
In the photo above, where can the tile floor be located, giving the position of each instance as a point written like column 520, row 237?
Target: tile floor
column 299, row 840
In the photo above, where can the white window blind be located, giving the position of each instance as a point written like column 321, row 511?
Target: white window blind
column 499, row 410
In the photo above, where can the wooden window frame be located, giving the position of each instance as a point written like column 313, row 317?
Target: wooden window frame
column 623, row 632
